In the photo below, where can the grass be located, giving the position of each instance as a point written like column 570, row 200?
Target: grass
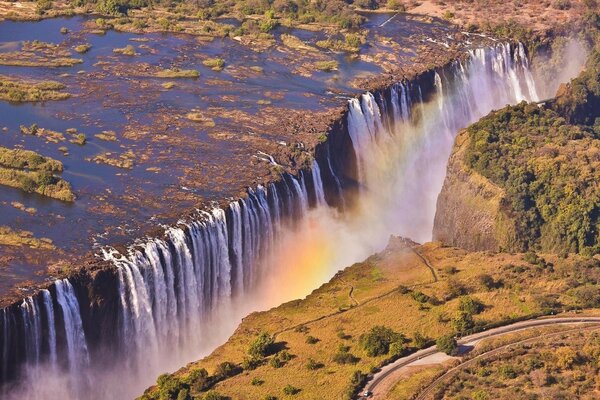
column 177, row 73
column 124, row 160
column 10, row 237
column 128, row 50
column 408, row 387
column 295, row 43
column 198, row 117
column 19, row 91
column 382, row 295
column 327, row 66
column 557, row 366
column 82, row 48
column 29, row 171
column 216, row 64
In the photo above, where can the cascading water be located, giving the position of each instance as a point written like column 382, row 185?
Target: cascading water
column 180, row 295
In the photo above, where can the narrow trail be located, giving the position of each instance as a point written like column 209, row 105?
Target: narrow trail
column 452, row 371
column 351, row 293
column 427, row 263
column 385, row 378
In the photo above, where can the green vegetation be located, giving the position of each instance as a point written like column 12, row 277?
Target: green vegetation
column 326, row 66
column 83, row 48
column 177, row 73
column 447, row 344
column 262, row 346
column 31, row 172
column 549, row 174
column 350, row 44
column 378, row 341
column 24, row 91
column 216, row 64
column 128, row 50
column 559, row 366
column 10, row 237
column 580, row 102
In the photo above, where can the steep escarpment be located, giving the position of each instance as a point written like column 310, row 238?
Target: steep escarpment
column 469, row 207
column 521, row 179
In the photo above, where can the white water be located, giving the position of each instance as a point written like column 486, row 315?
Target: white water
column 182, row 296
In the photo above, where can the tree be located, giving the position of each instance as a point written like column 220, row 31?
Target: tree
column 447, row 344
column 420, row 340
column 470, row 305
column 462, row 322
column 262, row 346
column 378, row 340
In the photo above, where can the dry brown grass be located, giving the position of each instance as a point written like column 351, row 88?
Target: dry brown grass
column 377, row 301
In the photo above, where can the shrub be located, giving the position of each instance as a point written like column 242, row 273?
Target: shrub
column 276, row 362
column 291, row 390
column 398, row 349
column 226, row 369
column 262, row 346
column 198, row 379
column 470, row 305
column 312, row 365
column 257, row 382
column 420, row 340
column 343, row 356
column 311, row 340
column 447, row 344
column 249, row 364
column 507, row 371
column 462, row 322
column 419, row 296
column 212, row 395
column 378, row 340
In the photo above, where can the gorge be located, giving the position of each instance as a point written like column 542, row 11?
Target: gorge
column 165, row 301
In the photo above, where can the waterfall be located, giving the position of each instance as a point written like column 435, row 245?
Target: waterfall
column 76, row 346
column 51, row 324
column 319, row 190
column 170, row 289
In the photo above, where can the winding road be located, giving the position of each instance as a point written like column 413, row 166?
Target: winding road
column 384, row 380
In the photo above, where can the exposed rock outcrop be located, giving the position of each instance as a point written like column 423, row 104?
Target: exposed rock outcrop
column 469, row 208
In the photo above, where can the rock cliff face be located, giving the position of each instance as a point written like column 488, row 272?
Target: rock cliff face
column 469, row 210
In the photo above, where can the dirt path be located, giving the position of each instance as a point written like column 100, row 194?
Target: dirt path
column 383, row 381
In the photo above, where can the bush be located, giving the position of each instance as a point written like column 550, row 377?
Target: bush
column 312, row 365
column 420, row 340
column 249, row 364
column 470, row 305
column 447, row 344
column 398, row 349
column 276, row 362
column 291, row 390
column 311, row 340
column 212, row 395
column 262, row 346
column 198, row 379
column 378, row 340
column 462, row 322
column 227, row 369
column 343, row 356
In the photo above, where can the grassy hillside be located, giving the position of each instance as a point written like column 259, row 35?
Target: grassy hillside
column 387, row 306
